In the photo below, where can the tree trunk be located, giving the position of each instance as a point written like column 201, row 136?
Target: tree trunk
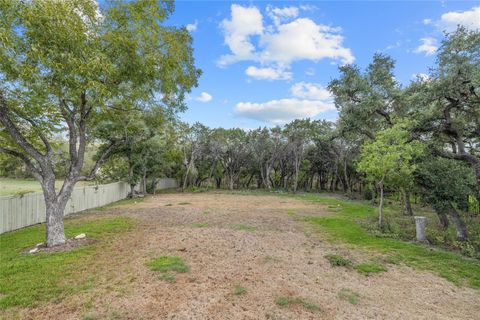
column 443, row 217
column 55, row 233
column 184, row 185
column 461, row 228
column 408, row 203
column 231, row 182
column 380, row 206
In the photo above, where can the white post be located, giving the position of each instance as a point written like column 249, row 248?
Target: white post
column 420, row 224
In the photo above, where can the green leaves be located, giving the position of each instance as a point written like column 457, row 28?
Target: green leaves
column 390, row 157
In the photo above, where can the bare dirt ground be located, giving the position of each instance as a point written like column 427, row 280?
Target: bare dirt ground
column 257, row 242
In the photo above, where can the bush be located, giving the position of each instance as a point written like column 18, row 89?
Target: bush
column 338, row 261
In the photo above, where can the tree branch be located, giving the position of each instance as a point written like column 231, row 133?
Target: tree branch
column 16, row 134
column 31, row 166
column 104, row 157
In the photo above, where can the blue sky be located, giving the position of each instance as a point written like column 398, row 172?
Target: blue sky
column 268, row 62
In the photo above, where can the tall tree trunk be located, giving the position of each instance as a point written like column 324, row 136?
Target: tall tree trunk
column 460, row 227
column 380, row 206
column 443, row 217
column 408, row 204
column 54, row 229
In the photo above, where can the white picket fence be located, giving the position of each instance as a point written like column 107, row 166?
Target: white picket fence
column 21, row 211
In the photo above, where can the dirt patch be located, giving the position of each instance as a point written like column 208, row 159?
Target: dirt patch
column 69, row 245
column 271, row 258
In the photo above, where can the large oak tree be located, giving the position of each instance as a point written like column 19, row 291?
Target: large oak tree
column 66, row 66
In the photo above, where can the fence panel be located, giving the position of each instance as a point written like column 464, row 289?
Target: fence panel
column 21, row 211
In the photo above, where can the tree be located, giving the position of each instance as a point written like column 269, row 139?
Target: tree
column 299, row 134
column 366, row 101
column 389, row 159
column 448, row 102
column 446, row 184
column 67, row 65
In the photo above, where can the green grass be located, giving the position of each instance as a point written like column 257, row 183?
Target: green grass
column 120, row 203
column 19, row 187
column 28, row 279
column 168, row 277
column 239, row 290
column 297, row 301
column 168, row 263
column 348, row 295
column 342, row 225
column 244, row 227
column 369, row 268
column 338, row 261
column 200, row 224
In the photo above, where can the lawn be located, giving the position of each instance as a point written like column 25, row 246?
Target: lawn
column 21, row 186
column 251, row 254
column 343, row 225
column 29, row 279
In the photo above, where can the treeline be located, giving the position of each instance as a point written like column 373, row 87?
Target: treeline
column 421, row 139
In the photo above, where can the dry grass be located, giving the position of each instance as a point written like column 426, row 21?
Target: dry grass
column 283, row 257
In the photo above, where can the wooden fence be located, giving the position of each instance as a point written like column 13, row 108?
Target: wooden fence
column 21, row 211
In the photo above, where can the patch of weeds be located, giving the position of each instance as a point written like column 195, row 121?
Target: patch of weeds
column 168, row 277
column 348, row 295
column 168, row 263
column 293, row 301
column 338, row 261
column 369, row 268
column 245, row 227
column 291, row 212
column 206, row 212
column 200, row 224
column 168, row 205
column 183, row 203
column 239, row 290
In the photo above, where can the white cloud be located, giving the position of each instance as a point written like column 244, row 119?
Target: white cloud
column 281, row 14
column 268, row 73
column 245, row 22
column 283, row 42
column 427, row 21
column 204, row 97
column 470, row 19
column 312, row 91
column 421, row 77
column 192, row 27
column 282, row 111
column 428, row 46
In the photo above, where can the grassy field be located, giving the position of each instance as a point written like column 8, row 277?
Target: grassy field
column 344, row 225
column 21, row 186
column 164, row 259
column 27, row 280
